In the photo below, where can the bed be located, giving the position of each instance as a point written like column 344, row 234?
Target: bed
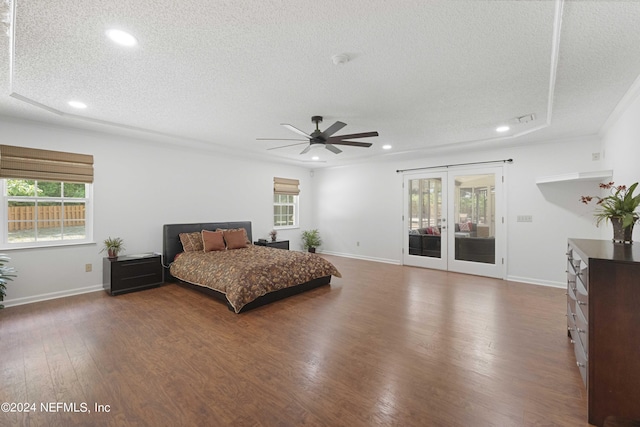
column 243, row 277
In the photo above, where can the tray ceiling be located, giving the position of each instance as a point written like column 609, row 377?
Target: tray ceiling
column 426, row 75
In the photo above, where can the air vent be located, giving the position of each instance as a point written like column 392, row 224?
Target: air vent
column 523, row 119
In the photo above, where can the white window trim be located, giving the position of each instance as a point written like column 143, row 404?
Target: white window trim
column 296, row 208
column 88, row 200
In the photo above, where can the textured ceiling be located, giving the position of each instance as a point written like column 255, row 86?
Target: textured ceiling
column 426, row 75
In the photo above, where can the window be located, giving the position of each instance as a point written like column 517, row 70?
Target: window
column 47, row 197
column 285, row 202
column 44, row 211
column 285, row 208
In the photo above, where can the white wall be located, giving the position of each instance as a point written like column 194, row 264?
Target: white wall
column 363, row 203
column 621, row 144
column 138, row 187
column 359, row 203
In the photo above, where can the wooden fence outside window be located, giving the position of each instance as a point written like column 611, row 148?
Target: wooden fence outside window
column 23, row 217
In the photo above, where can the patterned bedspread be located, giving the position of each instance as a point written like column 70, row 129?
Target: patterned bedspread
column 246, row 274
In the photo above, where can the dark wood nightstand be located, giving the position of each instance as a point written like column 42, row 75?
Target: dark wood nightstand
column 280, row 244
column 131, row 273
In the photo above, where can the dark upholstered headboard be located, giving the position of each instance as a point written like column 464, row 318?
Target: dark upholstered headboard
column 171, row 245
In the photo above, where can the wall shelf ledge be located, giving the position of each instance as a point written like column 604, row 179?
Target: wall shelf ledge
column 602, row 175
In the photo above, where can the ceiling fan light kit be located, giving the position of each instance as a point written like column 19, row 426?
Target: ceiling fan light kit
column 326, row 137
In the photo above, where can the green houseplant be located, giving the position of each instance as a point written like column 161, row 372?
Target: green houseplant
column 619, row 207
column 311, row 240
column 6, row 274
column 113, row 246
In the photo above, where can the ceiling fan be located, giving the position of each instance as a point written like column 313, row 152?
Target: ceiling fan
column 318, row 137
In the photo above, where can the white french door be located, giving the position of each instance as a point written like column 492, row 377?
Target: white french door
column 453, row 220
column 425, row 207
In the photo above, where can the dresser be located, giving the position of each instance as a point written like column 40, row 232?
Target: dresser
column 603, row 323
column 131, row 273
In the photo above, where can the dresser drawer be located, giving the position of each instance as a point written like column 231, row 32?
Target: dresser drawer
column 129, row 269
column 582, row 275
column 582, row 300
column 582, row 329
column 571, row 307
column 581, row 357
column 571, row 318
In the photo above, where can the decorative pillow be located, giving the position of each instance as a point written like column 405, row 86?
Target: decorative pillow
column 244, row 233
column 436, row 231
column 235, row 239
column 465, row 226
column 191, row 242
column 213, row 241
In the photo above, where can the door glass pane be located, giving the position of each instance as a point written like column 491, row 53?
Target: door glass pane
column 425, row 217
column 474, row 216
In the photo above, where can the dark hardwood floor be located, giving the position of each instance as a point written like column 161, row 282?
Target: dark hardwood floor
column 384, row 345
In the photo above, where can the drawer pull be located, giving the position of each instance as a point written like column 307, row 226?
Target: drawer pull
column 573, row 342
column 582, row 303
column 580, row 365
column 569, row 328
column 574, row 289
column 582, row 331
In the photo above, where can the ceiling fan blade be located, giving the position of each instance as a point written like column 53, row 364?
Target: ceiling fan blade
column 333, row 149
column 285, row 146
column 280, row 139
column 352, row 143
column 332, row 129
column 306, row 150
column 296, row 130
column 353, row 135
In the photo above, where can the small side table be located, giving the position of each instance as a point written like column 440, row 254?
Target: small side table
column 131, row 273
column 279, row 244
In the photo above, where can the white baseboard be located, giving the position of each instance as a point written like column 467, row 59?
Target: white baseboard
column 365, row 258
column 53, row 295
column 539, row 282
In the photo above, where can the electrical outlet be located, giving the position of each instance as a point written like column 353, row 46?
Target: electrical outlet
column 595, row 156
column 88, row 268
column 524, row 218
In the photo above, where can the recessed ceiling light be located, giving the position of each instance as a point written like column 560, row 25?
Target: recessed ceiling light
column 77, row 104
column 502, row 128
column 315, row 158
column 122, row 37
column 386, row 147
column 340, row 59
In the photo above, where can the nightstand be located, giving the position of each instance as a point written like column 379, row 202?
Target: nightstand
column 280, row 244
column 131, row 273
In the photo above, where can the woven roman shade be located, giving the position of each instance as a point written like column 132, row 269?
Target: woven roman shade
column 286, row 186
column 45, row 165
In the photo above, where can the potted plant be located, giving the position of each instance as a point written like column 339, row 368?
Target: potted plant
column 113, row 246
column 273, row 234
column 619, row 207
column 6, row 274
column 311, row 240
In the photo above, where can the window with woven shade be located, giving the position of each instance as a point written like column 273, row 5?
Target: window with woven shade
column 47, row 197
column 285, row 202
